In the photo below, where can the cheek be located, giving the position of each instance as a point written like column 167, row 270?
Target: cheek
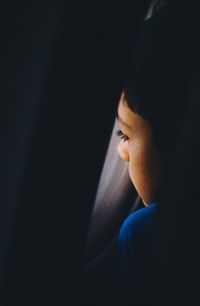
column 144, row 172
column 140, row 180
column 123, row 150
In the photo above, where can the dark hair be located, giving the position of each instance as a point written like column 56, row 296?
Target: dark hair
column 155, row 87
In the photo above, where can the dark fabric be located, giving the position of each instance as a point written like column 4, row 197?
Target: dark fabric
column 134, row 234
column 135, row 254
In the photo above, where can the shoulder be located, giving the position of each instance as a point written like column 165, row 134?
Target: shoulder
column 140, row 223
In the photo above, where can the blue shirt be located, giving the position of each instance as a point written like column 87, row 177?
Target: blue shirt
column 134, row 236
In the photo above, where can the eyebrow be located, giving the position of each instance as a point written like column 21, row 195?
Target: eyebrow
column 122, row 121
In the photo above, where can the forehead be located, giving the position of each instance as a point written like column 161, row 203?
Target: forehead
column 130, row 120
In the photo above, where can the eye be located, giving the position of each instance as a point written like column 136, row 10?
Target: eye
column 122, row 135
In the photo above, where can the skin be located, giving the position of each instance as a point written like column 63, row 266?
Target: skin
column 138, row 150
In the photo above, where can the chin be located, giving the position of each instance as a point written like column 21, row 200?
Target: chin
column 147, row 202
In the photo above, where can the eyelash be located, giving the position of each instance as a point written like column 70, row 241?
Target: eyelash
column 122, row 135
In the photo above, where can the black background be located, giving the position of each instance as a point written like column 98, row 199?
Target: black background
column 62, row 70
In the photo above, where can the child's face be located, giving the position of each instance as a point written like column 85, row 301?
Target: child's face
column 136, row 147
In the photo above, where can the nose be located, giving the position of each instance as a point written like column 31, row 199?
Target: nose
column 122, row 150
